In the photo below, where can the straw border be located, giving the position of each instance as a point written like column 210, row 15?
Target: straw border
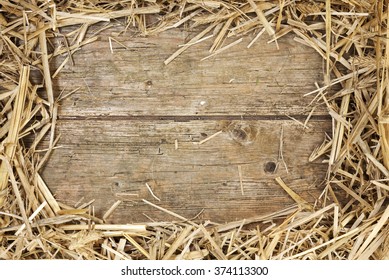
column 35, row 226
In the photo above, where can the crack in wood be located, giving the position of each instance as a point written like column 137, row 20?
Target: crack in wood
column 189, row 118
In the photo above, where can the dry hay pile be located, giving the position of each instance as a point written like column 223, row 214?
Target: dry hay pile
column 350, row 35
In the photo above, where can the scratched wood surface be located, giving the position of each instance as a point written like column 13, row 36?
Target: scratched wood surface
column 136, row 121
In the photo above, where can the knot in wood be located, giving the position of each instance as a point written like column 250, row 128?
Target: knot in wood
column 242, row 132
column 270, row 167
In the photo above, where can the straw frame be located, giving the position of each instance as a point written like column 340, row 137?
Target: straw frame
column 33, row 225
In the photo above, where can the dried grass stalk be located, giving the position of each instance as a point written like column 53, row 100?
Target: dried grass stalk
column 351, row 36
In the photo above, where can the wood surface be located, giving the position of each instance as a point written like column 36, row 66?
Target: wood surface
column 136, row 121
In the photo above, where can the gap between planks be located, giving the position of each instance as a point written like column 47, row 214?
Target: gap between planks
column 187, row 118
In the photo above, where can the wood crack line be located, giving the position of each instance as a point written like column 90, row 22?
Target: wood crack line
column 189, row 118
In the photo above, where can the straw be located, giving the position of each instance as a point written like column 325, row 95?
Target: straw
column 350, row 219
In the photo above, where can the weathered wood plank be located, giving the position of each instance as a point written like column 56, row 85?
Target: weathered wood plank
column 99, row 159
column 135, row 82
column 119, row 131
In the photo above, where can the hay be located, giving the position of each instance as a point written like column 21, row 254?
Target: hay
column 352, row 38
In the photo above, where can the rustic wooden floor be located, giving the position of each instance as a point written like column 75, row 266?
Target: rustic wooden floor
column 136, row 121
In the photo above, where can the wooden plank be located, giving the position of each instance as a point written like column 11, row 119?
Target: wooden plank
column 200, row 134
column 103, row 159
column 135, row 82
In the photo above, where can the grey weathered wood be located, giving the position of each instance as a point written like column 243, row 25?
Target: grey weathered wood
column 257, row 81
column 119, row 130
column 99, row 159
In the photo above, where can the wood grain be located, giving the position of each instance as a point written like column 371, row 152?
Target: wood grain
column 119, row 131
column 135, row 82
column 103, row 160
